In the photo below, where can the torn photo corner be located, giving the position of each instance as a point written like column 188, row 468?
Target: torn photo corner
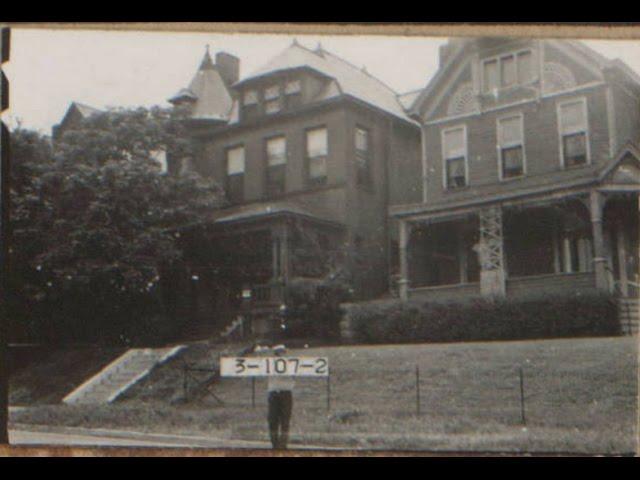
column 291, row 241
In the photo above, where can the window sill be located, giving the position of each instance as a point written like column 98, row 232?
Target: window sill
column 512, row 179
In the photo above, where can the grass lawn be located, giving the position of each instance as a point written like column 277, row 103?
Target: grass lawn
column 58, row 373
column 580, row 396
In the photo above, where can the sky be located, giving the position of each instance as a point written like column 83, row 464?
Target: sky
column 50, row 68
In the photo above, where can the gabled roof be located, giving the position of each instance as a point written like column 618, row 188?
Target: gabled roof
column 458, row 45
column 350, row 79
column 212, row 100
column 85, row 110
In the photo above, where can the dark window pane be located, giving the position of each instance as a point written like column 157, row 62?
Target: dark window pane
column 318, row 170
column 512, row 164
column 575, row 149
column 235, row 188
column 456, row 175
column 276, row 179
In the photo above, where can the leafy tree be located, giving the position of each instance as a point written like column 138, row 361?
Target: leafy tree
column 95, row 223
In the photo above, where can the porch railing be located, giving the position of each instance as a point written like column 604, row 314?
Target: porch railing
column 270, row 294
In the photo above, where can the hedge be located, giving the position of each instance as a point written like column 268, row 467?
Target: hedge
column 482, row 320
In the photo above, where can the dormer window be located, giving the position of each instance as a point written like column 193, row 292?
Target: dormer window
column 293, row 93
column 508, row 70
column 293, row 87
column 272, row 99
column 250, row 97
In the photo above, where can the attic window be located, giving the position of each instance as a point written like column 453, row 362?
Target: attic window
column 272, row 92
column 516, row 68
column 272, row 99
column 292, row 87
column 250, row 97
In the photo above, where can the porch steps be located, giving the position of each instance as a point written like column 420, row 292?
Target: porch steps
column 232, row 327
column 121, row 374
column 629, row 315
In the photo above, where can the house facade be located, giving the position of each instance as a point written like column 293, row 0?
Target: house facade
column 530, row 174
column 304, row 149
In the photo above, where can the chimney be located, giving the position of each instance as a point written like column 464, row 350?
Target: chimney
column 229, row 67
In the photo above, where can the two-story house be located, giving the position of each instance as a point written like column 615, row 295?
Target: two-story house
column 310, row 150
column 530, row 173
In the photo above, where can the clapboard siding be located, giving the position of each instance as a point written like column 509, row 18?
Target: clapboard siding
column 554, row 284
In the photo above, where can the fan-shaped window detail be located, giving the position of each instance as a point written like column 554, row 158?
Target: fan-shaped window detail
column 557, row 77
column 463, row 100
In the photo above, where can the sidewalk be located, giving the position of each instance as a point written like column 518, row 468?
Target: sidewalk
column 46, row 435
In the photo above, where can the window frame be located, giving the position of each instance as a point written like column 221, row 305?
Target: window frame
column 587, row 138
column 500, row 146
column 309, row 181
column 229, row 175
column 268, row 166
column 445, row 177
column 368, row 182
column 514, row 54
column 273, row 99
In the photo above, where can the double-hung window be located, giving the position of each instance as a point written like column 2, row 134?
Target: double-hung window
column 508, row 70
column 317, row 150
column 276, row 165
column 250, row 103
column 272, row 99
column 363, row 156
column 235, row 174
column 511, row 147
column 454, row 149
column 574, row 133
column 293, row 93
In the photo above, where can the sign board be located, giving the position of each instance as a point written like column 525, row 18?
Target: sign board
column 274, row 366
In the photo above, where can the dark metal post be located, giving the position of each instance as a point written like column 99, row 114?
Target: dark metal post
column 185, row 386
column 522, row 408
column 253, row 392
column 417, row 390
column 328, row 392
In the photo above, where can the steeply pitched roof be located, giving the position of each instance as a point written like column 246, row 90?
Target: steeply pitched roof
column 85, row 110
column 351, row 80
column 208, row 90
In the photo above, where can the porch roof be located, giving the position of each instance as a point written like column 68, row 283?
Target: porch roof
column 530, row 188
column 267, row 210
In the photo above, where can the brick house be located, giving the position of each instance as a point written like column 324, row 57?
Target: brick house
column 304, row 148
column 530, row 174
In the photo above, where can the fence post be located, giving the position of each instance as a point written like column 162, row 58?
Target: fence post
column 417, row 390
column 522, row 406
column 253, row 392
column 328, row 392
column 184, row 381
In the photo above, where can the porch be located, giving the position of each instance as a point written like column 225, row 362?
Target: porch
column 242, row 264
column 574, row 244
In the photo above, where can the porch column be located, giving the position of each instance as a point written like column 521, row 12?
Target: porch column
column 596, row 204
column 403, row 243
column 621, row 239
column 491, row 253
column 280, row 249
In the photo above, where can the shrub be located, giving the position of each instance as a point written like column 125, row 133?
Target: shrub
column 482, row 319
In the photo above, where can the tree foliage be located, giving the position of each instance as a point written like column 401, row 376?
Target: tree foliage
column 95, row 222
